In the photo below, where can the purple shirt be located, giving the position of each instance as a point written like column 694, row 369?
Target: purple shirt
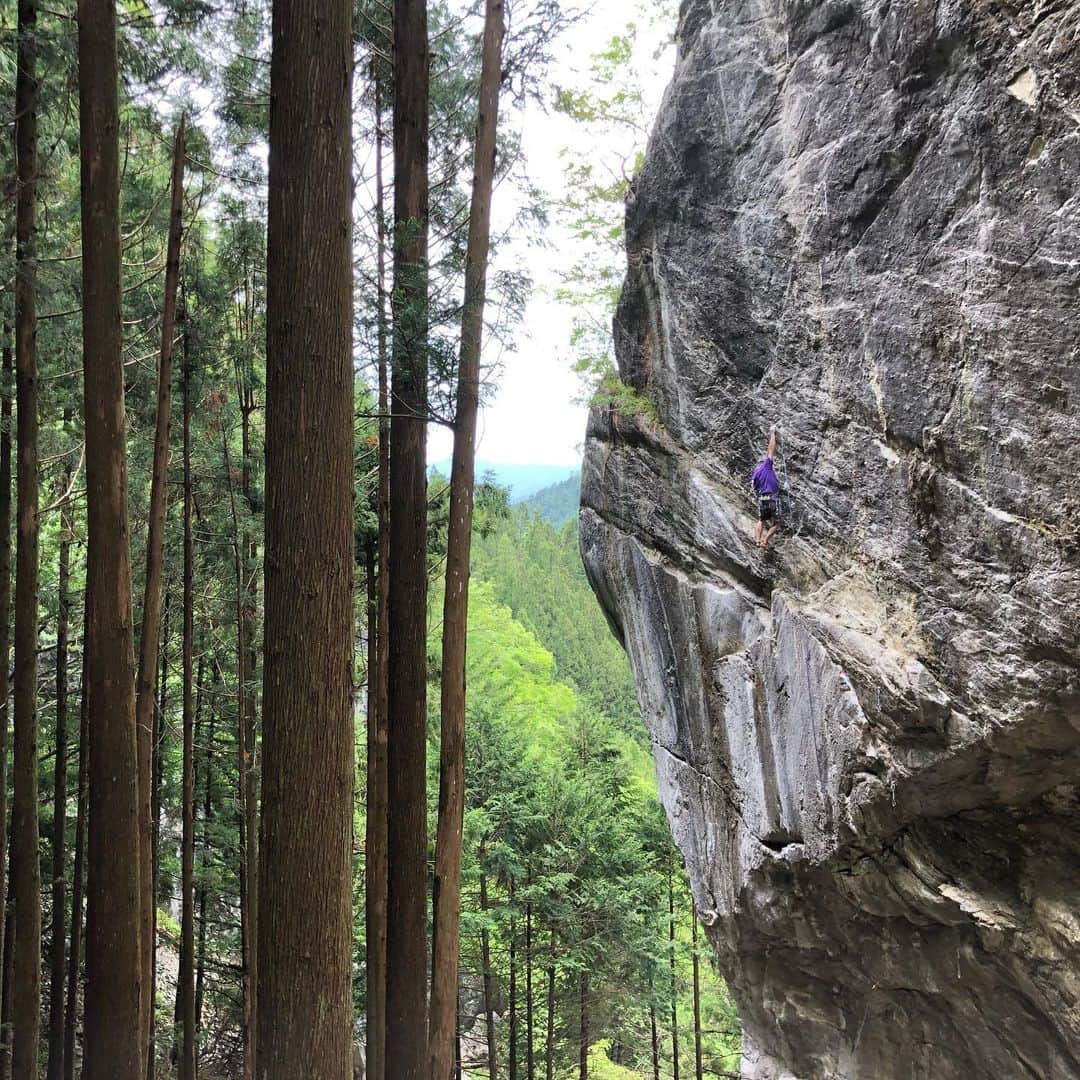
column 764, row 479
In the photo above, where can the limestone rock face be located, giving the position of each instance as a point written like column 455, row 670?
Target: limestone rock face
column 860, row 220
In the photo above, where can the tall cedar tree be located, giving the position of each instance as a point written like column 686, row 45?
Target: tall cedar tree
column 77, row 880
column 113, row 969
column 406, row 932
column 376, row 825
column 185, row 986
column 57, row 944
column 25, row 870
column 304, row 1000
column 447, row 888
column 150, row 637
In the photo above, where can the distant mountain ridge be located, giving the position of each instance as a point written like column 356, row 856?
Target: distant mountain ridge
column 522, row 480
column 558, row 503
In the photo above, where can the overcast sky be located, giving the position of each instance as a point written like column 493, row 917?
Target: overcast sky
column 532, row 418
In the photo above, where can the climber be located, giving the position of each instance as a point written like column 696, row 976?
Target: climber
column 767, row 489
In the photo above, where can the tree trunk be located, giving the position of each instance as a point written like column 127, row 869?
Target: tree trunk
column 185, row 987
column 674, row 982
column 152, row 594
column 406, row 933
column 698, row 1067
column 305, row 890
column 8, row 962
column 530, row 1056
column 158, row 764
column 250, row 790
column 113, row 959
column 375, row 841
column 489, row 988
column 25, row 870
column 549, row 1041
column 583, row 1041
column 57, row 956
column 207, row 738
column 446, row 895
column 655, row 1036
column 247, row 827
column 5, row 660
column 77, row 891
column 512, row 1054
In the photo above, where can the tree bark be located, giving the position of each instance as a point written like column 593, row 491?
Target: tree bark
column 446, row 895
column 375, row 841
column 512, row 1050
column 152, row 593
column 674, row 982
column 655, row 1036
column 698, row 1065
column 25, row 871
column 489, row 982
column 185, row 988
column 549, row 1041
column 5, row 661
column 207, row 739
column 113, row 958
column 250, row 790
column 155, row 834
column 57, row 955
column 530, row 1056
column 583, row 1040
column 8, row 962
column 304, row 1025
column 406, row 933
column 77, row 878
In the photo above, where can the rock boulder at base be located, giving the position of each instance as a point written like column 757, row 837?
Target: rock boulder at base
column 860, row 220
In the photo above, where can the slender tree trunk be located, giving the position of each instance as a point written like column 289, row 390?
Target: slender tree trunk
column 8, row 962
column 512, row 1055
column 375, row 841
column 698, row 1066
column 5, row 715
column 549, row 1040
column 57, row 955
column 25, row 871
column 305, row 892
column 489, row 981
column 207, row 738
column 550, row 1035
column 113, row 958
column 446, row 895
column 158, row 764
column 674, row 982
column 583, row 1041
column 152, row 594
column 406, row 934
column 71, row 1009
column 457, row 1044
column 246, row 827
column 250, row 792
column 655, row 1036
column 530, row 1056
column 186, row 980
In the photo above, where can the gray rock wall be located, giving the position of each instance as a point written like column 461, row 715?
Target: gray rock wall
column 860, row 219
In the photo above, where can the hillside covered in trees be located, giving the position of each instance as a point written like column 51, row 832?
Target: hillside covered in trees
column 311, row 761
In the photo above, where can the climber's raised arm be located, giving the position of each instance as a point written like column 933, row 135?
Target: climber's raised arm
column 772, row 442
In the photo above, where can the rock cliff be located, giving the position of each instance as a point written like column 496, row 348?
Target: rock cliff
column 860, row 220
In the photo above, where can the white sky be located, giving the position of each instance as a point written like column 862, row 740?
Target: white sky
column 532, row 418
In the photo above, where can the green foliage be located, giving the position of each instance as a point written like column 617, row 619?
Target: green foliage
column 558, row 503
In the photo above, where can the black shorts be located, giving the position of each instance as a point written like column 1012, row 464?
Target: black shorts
column 768, row 508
